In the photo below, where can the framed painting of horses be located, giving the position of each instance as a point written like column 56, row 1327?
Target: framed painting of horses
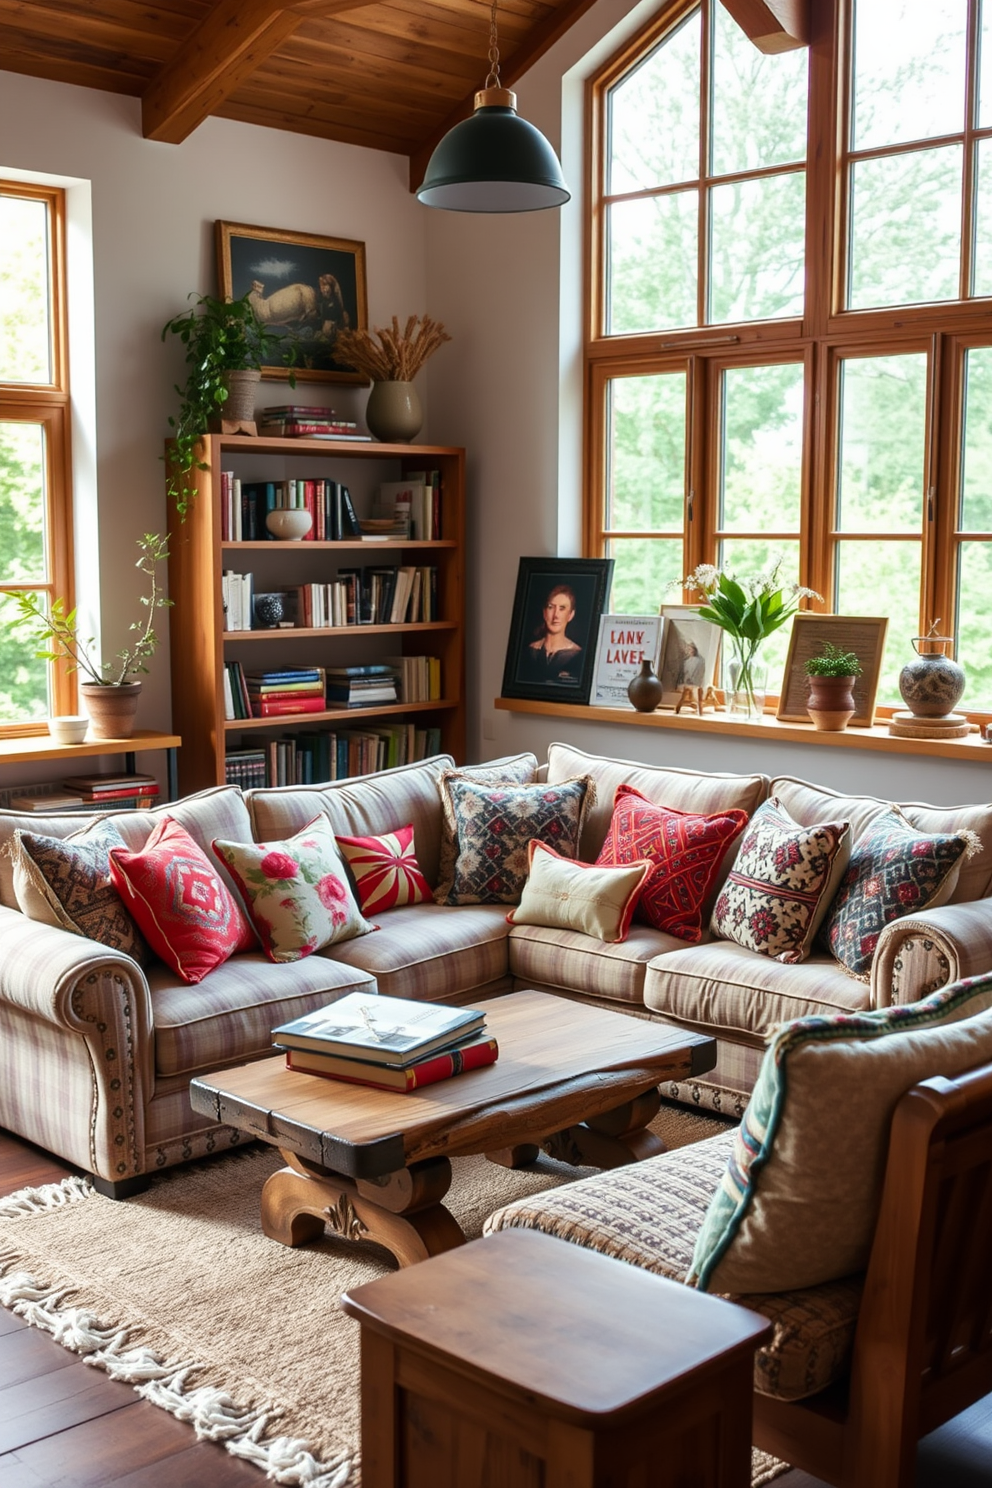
column 305, row 288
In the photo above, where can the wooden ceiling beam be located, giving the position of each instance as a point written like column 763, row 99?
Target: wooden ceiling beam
column 540, row 40
column 227, row 47
column 773, row 25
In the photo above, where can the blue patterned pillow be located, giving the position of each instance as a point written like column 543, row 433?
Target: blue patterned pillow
column 894, row 870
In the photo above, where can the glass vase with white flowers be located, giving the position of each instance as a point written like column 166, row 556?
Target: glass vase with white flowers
column 749, row 608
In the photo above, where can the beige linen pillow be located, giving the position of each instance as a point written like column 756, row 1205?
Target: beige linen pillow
column 563, row 894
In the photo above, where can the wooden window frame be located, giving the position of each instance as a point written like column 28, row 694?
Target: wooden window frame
column 48, row 404
column 826, row 334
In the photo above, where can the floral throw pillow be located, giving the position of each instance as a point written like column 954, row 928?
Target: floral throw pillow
column 385, row 870
column 187, row 913
column 296, row 892
column 66, row 882
column 494, row 825
column 686, row 851
column 781, row 884
column 894, row 870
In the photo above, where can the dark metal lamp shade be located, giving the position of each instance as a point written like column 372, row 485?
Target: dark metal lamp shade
column 494, row 162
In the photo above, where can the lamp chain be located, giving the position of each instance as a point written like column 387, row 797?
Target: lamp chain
column 492, row 77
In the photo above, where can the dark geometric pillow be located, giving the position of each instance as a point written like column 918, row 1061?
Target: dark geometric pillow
column 894, row 870
column 493, row 825
column 66, row 882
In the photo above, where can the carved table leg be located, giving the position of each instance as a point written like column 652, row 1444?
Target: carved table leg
column 612, row 1139
column 515, row 1157
column 401, row 1211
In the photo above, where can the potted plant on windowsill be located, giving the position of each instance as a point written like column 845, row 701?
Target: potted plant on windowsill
column 226, row 348
column 831, row 675
column 111, row 690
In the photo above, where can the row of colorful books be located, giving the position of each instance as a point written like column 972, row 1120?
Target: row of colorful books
column 406, row 509
column 383, row 595
column 89, row 792
column 308, row 757
column 387, row 1043
column 294, row 690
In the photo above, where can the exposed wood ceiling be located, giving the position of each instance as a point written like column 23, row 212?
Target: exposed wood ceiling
column 393, row 75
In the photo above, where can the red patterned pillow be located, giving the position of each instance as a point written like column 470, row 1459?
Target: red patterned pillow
column 687, row 851
column 182, row 906
column 385, row 870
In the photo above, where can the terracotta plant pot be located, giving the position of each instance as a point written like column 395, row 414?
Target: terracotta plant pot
column 112, row 710
column 830, row 703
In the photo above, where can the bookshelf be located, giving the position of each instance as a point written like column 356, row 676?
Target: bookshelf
column 199, row 557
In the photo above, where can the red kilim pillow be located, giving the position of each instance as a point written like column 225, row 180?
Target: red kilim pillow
column 184, row 909
column 686, row 849
column 385, row 870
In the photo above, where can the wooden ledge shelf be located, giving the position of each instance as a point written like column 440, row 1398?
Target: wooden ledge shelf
column 339, row 715
column 25, row 750
column 970, row 750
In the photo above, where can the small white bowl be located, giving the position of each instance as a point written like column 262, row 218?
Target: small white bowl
column 69, row 729
column 291, row 523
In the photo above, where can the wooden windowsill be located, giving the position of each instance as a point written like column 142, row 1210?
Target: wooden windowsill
column 971, row 749
column 25, row 750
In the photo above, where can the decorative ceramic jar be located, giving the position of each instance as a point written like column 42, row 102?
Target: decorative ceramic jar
column 289, row 523
column 269, row 611
column 393, row 412
column 830, row 704
column 645, row 689
column 931, row 685
column 112, row 710
column 68, row 728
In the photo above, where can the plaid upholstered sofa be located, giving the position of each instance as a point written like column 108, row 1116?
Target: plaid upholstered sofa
column 96, row 1054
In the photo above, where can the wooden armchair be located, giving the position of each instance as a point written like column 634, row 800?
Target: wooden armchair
column 923, row 1348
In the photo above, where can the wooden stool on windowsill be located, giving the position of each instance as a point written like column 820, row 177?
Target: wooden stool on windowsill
column 525, row 1360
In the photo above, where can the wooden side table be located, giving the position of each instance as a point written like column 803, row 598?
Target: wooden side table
column 532, row 1363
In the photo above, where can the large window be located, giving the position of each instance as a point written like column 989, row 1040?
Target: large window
column 35, row 528
column 790, row 345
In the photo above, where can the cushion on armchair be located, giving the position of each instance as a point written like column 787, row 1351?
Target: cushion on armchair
column 798, row 1200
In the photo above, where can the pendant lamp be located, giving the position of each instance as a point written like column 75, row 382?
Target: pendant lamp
column 495, row 161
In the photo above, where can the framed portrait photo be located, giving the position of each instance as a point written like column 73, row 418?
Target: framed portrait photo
column 551, row 652
column 862, row 634
column 690, row 647
column 303, row 287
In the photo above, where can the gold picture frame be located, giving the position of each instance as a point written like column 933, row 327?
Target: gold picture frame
column 862, row 634
column 307, row 288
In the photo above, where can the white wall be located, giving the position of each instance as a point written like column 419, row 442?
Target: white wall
column 153, row 213
column 511, row 391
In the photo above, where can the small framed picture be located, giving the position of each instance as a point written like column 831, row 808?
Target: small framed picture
column 551, row 652
column 862, row 634
column 304, row 287
column 690, row 647
column 624, row 642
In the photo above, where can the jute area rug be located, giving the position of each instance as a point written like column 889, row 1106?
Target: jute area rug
column 179, row 1293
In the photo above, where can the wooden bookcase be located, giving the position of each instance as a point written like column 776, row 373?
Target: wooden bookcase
column 198, row 557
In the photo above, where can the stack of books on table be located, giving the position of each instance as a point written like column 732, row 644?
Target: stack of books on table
column 281, row 693
column 388, row 1043
column 303, row 421
column 360, row 686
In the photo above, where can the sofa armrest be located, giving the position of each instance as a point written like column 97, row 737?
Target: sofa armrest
column 922, row 952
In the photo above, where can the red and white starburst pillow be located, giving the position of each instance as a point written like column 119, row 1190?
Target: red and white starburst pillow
column 385, row 870
column 179, row 901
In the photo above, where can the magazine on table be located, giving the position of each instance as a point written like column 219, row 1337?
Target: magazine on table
column 386, row 1030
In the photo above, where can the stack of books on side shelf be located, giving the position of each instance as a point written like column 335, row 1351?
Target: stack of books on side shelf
column 360, row 686
column 89, row 793
column 246, row 504
column 310, row 756
column 419, row 678
column 279, row 694
column 388, row 1043
column 306, row 421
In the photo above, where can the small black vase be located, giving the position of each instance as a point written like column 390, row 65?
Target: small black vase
column 645, row 689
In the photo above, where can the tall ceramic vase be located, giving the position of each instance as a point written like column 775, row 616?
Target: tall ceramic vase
column 393, row 412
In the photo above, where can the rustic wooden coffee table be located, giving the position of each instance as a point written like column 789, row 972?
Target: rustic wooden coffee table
column 374, row 1165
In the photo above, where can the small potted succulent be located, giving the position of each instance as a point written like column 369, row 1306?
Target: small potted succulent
column 832, row 674
column 111, row 689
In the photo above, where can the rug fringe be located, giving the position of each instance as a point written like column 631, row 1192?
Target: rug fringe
column 210, row 1411
column 52, row 1196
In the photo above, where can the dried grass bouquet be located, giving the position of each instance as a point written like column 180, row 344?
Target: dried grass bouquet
column 398, row 356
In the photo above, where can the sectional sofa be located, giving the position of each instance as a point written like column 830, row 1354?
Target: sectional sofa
column 96, row 1054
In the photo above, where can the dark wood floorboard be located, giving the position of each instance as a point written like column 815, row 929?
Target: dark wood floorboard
column 66, row 1425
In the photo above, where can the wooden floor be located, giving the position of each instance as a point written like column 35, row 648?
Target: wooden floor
column 64, row 1424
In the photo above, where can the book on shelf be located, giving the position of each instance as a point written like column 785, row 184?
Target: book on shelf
column 246, row 768
column 298, row 410
column 127, row 793
column 385, row 1030
column 53, row 801
column 285, row 707
column 474, row 1054
column 361, row 686
column 419, row 678
column 300, row 430
column 98, row 784
column 237, row 599
column 308, row 756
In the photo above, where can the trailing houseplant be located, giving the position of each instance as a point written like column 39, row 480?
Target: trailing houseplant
column 832, row 673
column 221, row 337
column 111, row 688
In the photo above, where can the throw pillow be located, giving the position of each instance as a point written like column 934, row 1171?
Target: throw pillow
column 187, row 913
column 894, row 871
column 493, row 826
column 798, row 1201
column 296, row 892
column 781, row 884
column 685, row 849
column 65, row 881
column 514, row 771
column 568, row 895
column 385, row 870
